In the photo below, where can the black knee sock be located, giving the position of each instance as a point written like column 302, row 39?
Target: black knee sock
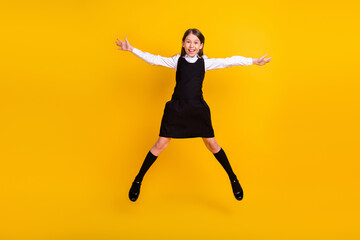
column 149, row 160
column 221, row 157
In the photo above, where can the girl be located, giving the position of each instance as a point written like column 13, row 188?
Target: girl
column 187, row 115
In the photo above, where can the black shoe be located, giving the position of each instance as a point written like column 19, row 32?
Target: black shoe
column 237, row 190
column 134, row 190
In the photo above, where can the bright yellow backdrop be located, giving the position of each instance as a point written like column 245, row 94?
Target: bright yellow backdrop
column 78, row 117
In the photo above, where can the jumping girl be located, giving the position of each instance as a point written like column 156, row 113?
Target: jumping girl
column 187, row 115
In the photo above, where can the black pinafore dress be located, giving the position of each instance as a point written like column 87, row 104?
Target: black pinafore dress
column 187, row 115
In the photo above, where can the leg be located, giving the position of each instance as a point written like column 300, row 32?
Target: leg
column 154, row 152
column 220, row 155
column 160, row 145
column 150, row 158
column 211, row 144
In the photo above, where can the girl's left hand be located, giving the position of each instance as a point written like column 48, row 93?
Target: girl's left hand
column 124, row 45
column 261, row 61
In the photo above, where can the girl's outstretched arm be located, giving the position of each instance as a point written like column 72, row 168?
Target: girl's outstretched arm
column 216, row 63
column 148, row 57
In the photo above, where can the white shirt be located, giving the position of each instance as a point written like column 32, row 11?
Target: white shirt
column 210, row 63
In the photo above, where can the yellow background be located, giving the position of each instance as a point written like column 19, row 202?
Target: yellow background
column 78, row 117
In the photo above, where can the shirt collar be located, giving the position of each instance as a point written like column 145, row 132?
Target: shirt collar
column 194, row 57
column 191, row 59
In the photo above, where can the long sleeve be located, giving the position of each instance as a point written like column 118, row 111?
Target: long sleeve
column 169, row 62
column 216, row 63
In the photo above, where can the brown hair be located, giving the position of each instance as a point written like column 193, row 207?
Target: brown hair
column 197, row 33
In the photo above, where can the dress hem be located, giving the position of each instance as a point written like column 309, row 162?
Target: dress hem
column 188, row 136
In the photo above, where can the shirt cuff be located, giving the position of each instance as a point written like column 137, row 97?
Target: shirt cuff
column 250, row 61
column 135, row 50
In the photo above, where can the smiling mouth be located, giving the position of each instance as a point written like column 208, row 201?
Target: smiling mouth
column 191, row 51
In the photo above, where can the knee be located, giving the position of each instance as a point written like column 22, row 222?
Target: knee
column 212, row 145
column 162, row 144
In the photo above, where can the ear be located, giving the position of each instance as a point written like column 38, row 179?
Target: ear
column 182, row 43
column 202, row 45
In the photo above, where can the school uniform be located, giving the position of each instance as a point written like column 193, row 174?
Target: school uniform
column 187, row 115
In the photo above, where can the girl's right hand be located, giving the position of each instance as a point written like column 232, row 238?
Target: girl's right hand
column 124, row 45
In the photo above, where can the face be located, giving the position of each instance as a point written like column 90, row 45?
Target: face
column 192, row 45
